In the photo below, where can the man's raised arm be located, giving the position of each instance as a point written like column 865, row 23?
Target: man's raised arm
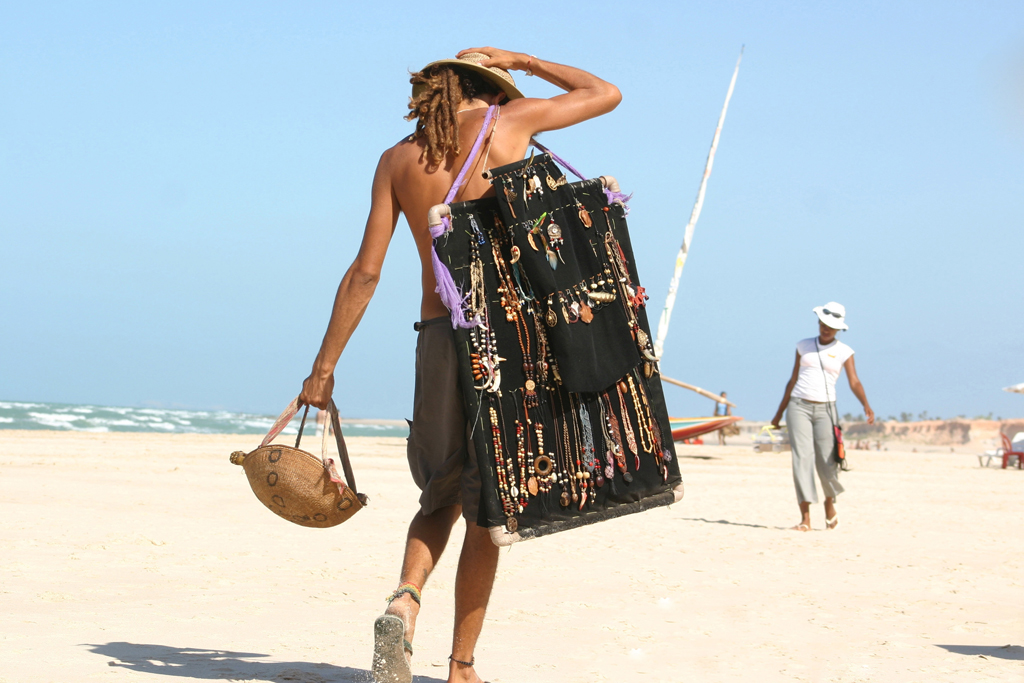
column 587, row 95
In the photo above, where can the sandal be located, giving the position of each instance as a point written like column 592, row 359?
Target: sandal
column 390, row 664
column 832, row 523
column 389, row 646
column 800, row 527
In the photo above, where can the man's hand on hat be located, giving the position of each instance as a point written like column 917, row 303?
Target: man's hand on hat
column 503, row 59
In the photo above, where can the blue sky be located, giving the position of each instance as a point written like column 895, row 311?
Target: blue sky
column 182, row 186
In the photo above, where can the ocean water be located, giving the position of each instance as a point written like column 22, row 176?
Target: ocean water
column 86, row 418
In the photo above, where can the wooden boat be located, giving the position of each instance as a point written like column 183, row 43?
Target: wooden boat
column 691, row 427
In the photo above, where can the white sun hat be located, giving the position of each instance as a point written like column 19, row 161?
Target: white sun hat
column 832, row 314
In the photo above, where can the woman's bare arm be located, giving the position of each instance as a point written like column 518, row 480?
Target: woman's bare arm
column 858, row 389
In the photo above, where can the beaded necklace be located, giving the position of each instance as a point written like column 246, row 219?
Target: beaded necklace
column 642, row 421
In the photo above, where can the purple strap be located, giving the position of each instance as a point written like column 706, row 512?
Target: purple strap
column 450, row 294
column 612, row 196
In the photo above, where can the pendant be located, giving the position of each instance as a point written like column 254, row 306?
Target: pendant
column 511, row 524
column 648, row 370
column 552, row 260
column 598, row 478
column 551, row 318
column 564, row 499
column 529, row 238
column 584, row 216
column 510, row 196
column 532, row 486
column 586, row 315
column 627, row 476
column 514, row 491
column 574, row 309
column 583, row 498
column 552, row 183
column 641, row 337
column 516, row 253
column 603, row 297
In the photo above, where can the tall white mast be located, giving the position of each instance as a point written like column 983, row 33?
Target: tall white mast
column 673, row 286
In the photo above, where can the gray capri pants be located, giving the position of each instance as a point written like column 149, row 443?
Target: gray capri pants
column 810, row 434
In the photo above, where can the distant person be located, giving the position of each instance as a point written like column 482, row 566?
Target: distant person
column 722, row 410
column 810, row 396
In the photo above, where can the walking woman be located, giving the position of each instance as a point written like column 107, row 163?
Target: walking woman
column 810, row 396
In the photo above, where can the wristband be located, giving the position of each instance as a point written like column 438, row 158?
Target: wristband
column 528, row 61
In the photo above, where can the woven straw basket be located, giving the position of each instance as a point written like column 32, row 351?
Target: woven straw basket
column 297, row 485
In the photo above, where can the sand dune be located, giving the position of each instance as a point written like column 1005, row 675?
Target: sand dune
column 146, row 557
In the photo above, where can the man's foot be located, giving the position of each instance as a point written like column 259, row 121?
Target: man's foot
column 390, row 662
column 392, row 638
column 462, row 672
column 800, row 527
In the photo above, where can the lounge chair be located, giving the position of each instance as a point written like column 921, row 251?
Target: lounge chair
column 1010, row 454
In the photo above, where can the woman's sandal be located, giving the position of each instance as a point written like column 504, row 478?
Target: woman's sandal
column 390, row 664
column 832, row 523
column 800, row 527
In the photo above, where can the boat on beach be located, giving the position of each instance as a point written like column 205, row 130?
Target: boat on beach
column 692, row 427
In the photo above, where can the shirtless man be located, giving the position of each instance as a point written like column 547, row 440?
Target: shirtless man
column 450, row 102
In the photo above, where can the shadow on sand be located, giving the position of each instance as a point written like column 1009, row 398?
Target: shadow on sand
column 1015, row 652
column 725, row 521
column 200, row 663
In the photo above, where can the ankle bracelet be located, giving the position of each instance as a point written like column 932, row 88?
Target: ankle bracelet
column 472, row 660
column 412, row 589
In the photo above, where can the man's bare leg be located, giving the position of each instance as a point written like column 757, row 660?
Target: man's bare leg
column 473, row 584
column 428, row 536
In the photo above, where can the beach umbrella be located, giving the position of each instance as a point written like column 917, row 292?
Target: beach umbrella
column 1015, row 389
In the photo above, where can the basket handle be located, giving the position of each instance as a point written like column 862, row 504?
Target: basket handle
column 286, row 416
column 346, row 465
column 282, row 421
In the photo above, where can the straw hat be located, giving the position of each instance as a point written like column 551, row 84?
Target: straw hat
column 832, row 314
column 471, row 62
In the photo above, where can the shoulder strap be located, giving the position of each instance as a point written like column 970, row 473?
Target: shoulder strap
column 828, row 403
column 461, row 178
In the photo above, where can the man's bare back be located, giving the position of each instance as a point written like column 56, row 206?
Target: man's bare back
column 417, row 187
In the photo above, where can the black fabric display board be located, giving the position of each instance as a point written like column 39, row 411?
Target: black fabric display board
column 575, row 368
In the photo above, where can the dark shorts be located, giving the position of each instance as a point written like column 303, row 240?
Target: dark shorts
column 441, row 454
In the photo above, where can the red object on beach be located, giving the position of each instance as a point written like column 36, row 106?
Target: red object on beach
column 1008, row 452
column 690, row 427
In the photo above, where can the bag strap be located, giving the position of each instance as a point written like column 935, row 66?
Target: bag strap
column 824, row 377
column 286, row 416
column 282, row 421
column 346, row 465
column 461, row 178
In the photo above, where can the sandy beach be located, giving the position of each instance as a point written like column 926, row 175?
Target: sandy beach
column 146, row 557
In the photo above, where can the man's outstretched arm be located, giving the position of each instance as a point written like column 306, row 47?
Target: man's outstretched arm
column 356, row 288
